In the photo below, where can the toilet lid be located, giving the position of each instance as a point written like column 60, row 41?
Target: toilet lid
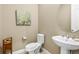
column 32, row 46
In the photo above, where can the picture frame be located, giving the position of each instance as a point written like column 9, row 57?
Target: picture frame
column 23, row 18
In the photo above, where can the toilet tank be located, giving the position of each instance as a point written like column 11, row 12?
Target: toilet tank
column 40, row 38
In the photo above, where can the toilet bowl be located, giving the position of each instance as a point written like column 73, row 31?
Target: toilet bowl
column 34, row 48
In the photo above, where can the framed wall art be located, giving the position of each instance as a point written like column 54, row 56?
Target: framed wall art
column 23, row 18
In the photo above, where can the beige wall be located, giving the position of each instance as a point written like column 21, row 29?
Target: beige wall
column 0, row 21
column 0, row 24
column 53, row 20
column 10, row 28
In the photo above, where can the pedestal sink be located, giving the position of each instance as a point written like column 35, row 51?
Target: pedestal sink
column 66, row 44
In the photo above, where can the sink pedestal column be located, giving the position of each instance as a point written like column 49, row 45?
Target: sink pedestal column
column 63, row 50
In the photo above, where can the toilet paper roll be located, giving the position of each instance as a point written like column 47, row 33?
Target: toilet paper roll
column 24, row 38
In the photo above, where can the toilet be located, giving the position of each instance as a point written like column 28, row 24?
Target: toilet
column 34, row 48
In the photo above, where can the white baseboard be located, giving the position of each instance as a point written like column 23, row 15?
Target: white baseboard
column 22, row 51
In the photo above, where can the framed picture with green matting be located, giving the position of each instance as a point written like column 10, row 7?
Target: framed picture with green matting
column 23, row 18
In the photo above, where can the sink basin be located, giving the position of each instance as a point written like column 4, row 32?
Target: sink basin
column 66, row 44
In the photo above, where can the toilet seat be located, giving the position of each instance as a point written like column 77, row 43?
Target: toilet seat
column 32, row 46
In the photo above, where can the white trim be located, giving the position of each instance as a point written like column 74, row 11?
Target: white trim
column 22, row 51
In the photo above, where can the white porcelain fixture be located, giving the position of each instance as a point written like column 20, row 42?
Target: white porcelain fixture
column 66, row 44
column 34, row 48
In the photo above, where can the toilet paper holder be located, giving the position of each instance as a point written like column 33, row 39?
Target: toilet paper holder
column 24, row 37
